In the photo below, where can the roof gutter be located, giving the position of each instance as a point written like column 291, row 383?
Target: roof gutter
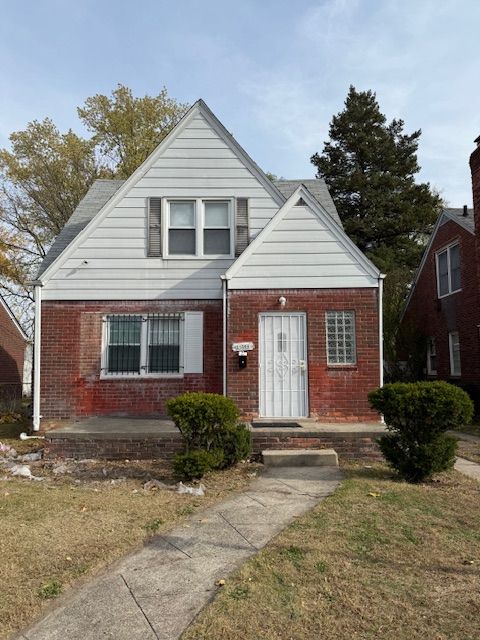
column 36, row 353
column 225, row 280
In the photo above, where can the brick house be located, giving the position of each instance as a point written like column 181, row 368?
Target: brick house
column 13, row 342
column 200, row 273
column 444, row 302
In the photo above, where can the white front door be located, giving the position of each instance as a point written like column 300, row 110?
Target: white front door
column 283, row 365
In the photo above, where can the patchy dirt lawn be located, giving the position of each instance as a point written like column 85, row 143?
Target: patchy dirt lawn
column 66, row 527
column 377, row 559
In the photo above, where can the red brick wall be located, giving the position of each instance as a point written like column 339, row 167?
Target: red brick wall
column 457, row 312
column 335, row 393
column 71, row 358
column 12, row 351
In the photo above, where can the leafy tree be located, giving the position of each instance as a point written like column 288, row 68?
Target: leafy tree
column 370, row 167
column 42, row 179
column 127, row 129
column 45, row 174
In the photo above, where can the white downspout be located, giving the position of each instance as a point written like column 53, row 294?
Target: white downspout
column 225, row 311
column 380, row 324
column 36, row 356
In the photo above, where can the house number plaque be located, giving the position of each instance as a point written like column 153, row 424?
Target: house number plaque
column 243, row 346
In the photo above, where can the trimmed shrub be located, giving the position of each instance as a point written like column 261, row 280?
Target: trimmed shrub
column 236, row 444
column 196, row 463
column 202, row 417
column 417, row 415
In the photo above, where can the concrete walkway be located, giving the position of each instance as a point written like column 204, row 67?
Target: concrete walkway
column 468, row 468
column 155, row 593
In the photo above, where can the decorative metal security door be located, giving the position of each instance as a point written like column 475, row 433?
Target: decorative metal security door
column 283, row 365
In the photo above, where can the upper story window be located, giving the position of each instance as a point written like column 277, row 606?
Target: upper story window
column 199, row 228
column 448, row 270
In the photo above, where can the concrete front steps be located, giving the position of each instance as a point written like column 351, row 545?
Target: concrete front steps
column 300, row 458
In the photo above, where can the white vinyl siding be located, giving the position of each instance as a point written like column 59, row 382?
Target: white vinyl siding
column 454, row 350
column 431, row 357
column 448, row 270
column 340, row 335
column 301, row 252
column 112, row 263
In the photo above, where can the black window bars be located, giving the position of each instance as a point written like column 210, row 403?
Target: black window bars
column 143, row 344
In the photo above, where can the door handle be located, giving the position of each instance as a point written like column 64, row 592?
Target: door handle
column 302, row 365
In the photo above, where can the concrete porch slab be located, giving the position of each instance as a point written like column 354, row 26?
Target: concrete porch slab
column 111, row 427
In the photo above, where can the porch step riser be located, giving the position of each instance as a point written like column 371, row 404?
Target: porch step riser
column 300, row 458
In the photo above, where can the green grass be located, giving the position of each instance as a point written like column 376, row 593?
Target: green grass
column 379, row 559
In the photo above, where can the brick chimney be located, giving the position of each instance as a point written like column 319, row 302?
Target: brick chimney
column 475, row 169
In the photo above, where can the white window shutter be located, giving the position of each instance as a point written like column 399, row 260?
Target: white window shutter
column 193, row 342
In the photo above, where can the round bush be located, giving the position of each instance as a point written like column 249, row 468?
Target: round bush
column 196, row 463
column 202, row 417
column 417, row 415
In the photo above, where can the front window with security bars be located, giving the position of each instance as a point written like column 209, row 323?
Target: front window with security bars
column 341, row 347
column 143, row 344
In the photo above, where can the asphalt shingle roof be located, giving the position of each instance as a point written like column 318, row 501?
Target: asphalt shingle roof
column 457, row 214
column 102, row 190
column 96, row 197
column 317, row 188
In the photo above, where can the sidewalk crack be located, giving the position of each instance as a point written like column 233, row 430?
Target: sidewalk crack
column 140, row 607
column 175, row 547
column 256, row 500
column 235, row 529
column 300, row 493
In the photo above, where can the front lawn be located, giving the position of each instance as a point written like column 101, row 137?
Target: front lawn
column 378, row 559
column 68, row 526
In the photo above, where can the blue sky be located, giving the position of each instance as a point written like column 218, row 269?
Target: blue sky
column 274, row 72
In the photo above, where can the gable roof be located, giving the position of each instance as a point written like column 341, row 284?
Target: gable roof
column 317, row 188
column 10, row 313
column 318, row 209
column 68, row 242
column 103, row 191
column 446, row 215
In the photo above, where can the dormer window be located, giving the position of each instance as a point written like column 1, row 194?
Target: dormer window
column 198, row 228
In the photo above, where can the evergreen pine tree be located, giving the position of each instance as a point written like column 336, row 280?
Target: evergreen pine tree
column 370, row 167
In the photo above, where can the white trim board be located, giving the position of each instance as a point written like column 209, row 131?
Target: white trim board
column 198, row 108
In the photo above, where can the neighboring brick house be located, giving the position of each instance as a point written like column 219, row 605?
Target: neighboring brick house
column 199, row 273
column 13, row 342
column 444, row 302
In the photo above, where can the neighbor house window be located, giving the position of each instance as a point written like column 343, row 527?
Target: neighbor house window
column 340, row 337
column 142, row 345
column 454, row 348
column 199, row 228
column 431, row 357
column 448, row 270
